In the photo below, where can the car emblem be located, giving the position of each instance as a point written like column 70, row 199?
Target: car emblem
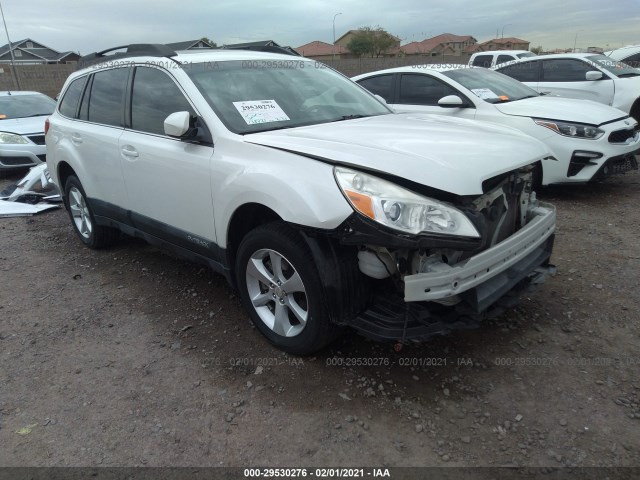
column 626, row 122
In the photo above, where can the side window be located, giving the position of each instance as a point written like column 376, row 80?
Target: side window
column 107, row 95
column 483, row 61
column 523, row 72
column 423, row 90
column 504, row 58
column 155, row 96
column 69, row 103
column 381, row 85
column 633, row 60
column 564, row 70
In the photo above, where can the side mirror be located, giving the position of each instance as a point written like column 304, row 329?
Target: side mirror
column 593, row 75
column 187, row 128
column 177, row 124
column 380, row 98
column 451, row 101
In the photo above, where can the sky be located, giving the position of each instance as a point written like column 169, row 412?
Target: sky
column 86, row 26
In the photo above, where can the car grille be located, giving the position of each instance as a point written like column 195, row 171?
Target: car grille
column 621, row 136
column 37, row 139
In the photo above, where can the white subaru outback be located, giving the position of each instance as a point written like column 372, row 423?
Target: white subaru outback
column 321, row 206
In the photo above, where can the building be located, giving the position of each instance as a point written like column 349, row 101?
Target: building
column 190, row 45
column 30, row 52
column 443, row 44
column 508, row 43
column 323, row 51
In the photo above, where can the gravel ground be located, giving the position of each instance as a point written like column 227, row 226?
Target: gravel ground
column 130, row 357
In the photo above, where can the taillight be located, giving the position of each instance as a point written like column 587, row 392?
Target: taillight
column 46, row 126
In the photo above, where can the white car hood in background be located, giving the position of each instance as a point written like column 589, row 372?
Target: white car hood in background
column 23, row 126
column 450, row 154
column 564, row 109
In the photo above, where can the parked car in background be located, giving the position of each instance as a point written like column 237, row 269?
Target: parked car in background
column 589, row 140
column 496, row 57
column 22, row 116
column 629, row 55
column 318, row 203
column 581, row 75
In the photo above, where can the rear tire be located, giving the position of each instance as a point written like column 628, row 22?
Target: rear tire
column 91, row 234
column 280, row 287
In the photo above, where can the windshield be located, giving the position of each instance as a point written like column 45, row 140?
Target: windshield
column 258, row 95
column 617, row 68
column 490, row 86
column 21, row 106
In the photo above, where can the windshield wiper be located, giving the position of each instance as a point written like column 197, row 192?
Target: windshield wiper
column 281, row 127
column 350, row 117
column 624, row 75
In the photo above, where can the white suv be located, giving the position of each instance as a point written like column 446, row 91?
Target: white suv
column 321, row 206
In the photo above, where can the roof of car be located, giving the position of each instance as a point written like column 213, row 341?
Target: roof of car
column 492, row 52
column 555, row 55
column 623, row 52
column 432, row 67
column 11, row 93
column 152, row 52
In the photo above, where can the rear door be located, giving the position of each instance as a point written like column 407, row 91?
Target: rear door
column 167, row 180
column 93, row 137
column 566, row 77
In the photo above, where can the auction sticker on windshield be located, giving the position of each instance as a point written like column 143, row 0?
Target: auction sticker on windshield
column 484, row 93
column 261, row 111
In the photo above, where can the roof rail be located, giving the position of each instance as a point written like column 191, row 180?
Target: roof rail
column 135, row 49
column 263, row 48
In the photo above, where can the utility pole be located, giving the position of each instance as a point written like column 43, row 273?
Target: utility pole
column 13, row 60
column 333, row 49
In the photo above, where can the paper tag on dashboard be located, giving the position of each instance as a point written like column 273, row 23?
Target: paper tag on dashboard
column 484, row 93
column 260, row 111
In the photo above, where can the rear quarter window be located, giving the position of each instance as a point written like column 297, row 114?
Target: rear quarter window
column 69, row 102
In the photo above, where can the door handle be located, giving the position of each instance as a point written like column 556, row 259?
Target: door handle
column 129, row 152
column 76, row 139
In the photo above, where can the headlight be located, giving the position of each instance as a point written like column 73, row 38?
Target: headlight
column 576, row 130
column 400, row 209
column 6, row 137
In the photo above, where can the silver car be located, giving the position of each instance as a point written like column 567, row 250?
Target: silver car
column 22, row 116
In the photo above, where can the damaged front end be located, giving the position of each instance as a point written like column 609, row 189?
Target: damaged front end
column 458, row 273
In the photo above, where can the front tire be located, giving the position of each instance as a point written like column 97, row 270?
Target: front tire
column 82, row 219
column 280, row 287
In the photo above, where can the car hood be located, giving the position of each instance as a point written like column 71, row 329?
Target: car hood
column 449, row 154
column 23, row 125
column 564, row 109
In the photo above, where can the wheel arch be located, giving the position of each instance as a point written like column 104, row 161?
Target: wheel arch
column 64, row 172
column 244, row 219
